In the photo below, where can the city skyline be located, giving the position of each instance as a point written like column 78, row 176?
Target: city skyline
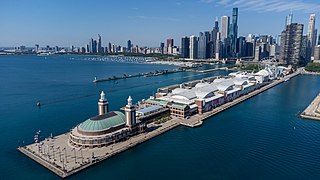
column 145, row 24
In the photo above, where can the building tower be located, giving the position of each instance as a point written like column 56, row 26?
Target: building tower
column 103, row 104
column 129, row 46
column 225, row 21
column 185, row 47
column 130, row 113
column 233, row 32
column 289, row 19
column 202, row 46
column 193, row 47
column 99, row 48
column 291, row 44
column 312, row 37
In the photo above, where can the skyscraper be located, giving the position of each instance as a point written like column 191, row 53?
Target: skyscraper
column 202, row 46
column 185, row 45
column 225, row 21
column 162, row 47
column 311, row 33
column 291, row 44
column 193, row 47
column 129, row 45
column 233, row 32
column 99, row 50
column 169, row 45
column 289, row 19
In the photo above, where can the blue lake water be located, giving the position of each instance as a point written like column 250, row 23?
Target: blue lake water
column 261, row 138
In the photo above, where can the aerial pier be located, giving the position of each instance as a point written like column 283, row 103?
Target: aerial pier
column 71, row 152
column 313, row 110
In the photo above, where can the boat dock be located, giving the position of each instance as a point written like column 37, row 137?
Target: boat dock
column 60, row 157
column 313, row 110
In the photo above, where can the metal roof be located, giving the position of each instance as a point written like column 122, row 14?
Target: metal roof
column 149, row 109
column 103, row 122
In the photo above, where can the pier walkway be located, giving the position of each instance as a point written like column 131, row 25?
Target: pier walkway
column 60, row 157
column 197, row 119
column 313, row 110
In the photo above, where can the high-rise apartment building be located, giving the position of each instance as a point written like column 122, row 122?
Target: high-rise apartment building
column 202, row 46
column 225, row 21
column 193, row 47
column 291, row 44
column 185, row 47
column 312, row 37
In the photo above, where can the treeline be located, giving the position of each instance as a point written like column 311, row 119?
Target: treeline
column 313, row 67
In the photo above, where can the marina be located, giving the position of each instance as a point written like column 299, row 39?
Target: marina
column 64, row 159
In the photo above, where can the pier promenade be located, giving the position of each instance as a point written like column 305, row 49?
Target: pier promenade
column 60, row 157
column 313, row 110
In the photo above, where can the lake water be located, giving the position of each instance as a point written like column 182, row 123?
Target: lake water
column 261, row 138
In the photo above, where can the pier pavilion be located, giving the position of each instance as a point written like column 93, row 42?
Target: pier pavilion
column 107, row 127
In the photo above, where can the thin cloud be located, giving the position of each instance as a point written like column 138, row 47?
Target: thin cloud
column 140, row 17
column 269, row 6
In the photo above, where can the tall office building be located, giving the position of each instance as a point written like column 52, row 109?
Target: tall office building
column 312, row 37
column 317, row 53
column 225, row 21
column 202, row 46
column 289, row 19
column 193, row 47
column 185, row 45
column 109, row 48
column 291, row 44
column 233, row 32
column 99, row 48
column 162, row 48
column 170, row 43
column 129, row 46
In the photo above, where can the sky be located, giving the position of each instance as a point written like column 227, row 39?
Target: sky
column 145, row 22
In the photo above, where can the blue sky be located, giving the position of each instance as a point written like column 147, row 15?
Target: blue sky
column 145, row 22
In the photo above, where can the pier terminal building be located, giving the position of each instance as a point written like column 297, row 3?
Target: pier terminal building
column 206, row 94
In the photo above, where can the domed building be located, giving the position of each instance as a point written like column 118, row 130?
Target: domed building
column 107, row 127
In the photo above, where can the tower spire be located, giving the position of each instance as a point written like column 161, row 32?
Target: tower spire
column 103, row 104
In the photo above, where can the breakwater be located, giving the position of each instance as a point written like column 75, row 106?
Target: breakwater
column 148, row 74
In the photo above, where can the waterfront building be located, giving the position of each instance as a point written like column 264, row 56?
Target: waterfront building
column 193, row 47
column 202, row 46
column 317, row 53
column 291, row 43
column 185, row 47
column 204, row 95
column 107, row 127
column 225, row 21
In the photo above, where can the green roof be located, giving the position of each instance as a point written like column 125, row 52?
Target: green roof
column 179, row 106
column 103, row 122
column 158, row 102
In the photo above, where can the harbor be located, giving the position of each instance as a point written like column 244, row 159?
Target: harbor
column 64, row 159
